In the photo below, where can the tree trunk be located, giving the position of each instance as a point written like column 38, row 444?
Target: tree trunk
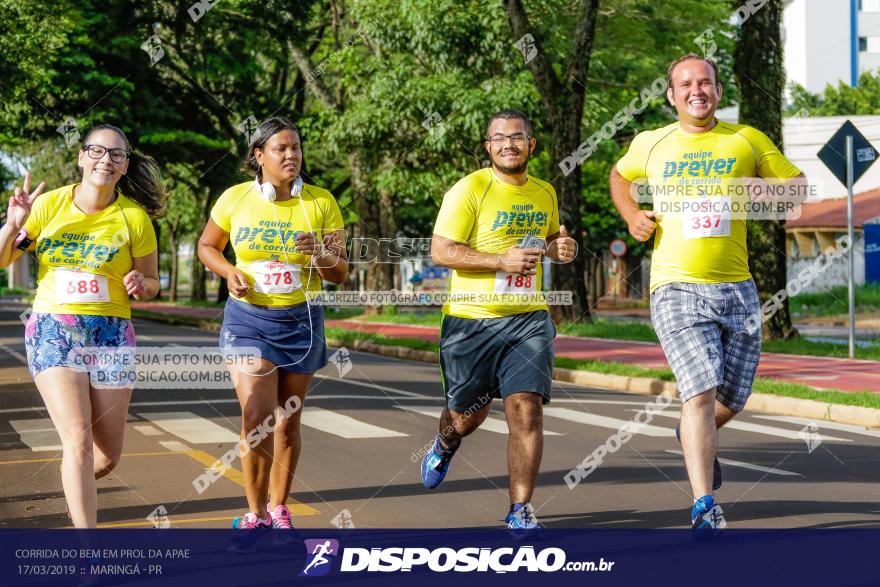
column 197, row 279
column 570, row 277
column 376, row 221
column 563, row 98
column 172, row 281
column 761, row 80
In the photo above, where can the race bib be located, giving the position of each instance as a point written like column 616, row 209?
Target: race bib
column 709, row 217
column 76, row 287
column 515, row 283
column 275, row 277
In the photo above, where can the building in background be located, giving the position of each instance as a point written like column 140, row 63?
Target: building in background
column 820, row 225
column 829, row 41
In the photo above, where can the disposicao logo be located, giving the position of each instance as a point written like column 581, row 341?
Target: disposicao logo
column 320, row 553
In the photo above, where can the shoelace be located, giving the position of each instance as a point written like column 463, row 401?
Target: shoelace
column 282, row 522
column 716, row 517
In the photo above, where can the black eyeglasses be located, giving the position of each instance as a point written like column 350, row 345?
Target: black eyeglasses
column 97, row 152
column 519, row 139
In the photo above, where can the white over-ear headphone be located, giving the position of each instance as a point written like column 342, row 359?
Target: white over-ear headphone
column 268, row 190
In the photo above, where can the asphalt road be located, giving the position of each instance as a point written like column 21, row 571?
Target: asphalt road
column 363, row 434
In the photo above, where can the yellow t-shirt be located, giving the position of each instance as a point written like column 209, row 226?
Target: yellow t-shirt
column 490, row 216
column 263, row 236
column 705, row 242
column 86, row 256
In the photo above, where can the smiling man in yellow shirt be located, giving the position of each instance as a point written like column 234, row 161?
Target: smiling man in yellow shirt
column 702, row 294
column 497, row 340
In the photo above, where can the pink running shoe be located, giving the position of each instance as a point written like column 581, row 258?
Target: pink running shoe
column 281, row 520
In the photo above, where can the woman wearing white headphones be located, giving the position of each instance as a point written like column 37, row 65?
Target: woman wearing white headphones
column 287, row 237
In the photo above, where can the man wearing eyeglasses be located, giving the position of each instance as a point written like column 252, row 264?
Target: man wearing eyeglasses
column 496, row 338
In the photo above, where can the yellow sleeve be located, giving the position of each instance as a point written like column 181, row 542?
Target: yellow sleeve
column 143, row 237
column 771, row 162
column 632, row 165
column 332, row 216
column 40, row 214
column 458, row 212
column 221, row 213
column 553, row 223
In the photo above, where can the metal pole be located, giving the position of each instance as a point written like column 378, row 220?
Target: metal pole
column 852, row 246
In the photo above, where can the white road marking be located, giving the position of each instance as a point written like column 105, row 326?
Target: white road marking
column 491, row 424
column 344, row 426
column 190, row 427
column 38, row 434
column 742, row 465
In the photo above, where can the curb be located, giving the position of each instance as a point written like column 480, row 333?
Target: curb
column 758, row 402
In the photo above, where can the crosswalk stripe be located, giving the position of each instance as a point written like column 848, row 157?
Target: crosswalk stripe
column 759, row 428
column 742, row 465
column 38, row 434
column 823, row 424
column 190, row 427
column 148, row 430
column 491, row 424
column 372, row 386
column 342, row 425
column 607, row 422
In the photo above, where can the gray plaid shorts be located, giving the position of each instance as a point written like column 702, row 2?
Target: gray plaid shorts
column 704, row 332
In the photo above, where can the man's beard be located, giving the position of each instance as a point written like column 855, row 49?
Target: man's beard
column 513, row 170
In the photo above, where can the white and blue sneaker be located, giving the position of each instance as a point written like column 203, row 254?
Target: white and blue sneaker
column 522, row 517
column 436, row 464
column 707, row 519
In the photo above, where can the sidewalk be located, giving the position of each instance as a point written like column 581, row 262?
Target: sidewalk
column 819, row 372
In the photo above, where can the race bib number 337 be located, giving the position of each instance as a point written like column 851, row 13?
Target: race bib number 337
column 711, row 217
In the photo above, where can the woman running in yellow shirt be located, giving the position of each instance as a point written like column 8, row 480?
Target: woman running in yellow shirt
column 95, row 247
column 287, row 237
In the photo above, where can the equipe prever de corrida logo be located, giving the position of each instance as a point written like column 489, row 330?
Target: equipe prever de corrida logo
column 320, row 553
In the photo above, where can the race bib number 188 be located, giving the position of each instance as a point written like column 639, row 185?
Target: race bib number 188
column 514, row 283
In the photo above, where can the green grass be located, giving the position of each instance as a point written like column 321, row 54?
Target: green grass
column 349, row 337
column 800, row 346
column 415, row 318
column 762, row 384
column 13, row 291
column 865, row 399
column 835, row 302
column 613, row 329
column 613, row 368
column 639, row 331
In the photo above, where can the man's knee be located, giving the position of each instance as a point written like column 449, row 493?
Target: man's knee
column 469, row 420
column 700, row 401
column 524, row 412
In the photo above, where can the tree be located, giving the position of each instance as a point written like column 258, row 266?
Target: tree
column 563, row 99
column 843, row 100
column 761, row 80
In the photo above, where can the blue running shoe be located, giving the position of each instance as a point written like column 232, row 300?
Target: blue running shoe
column 250, row 530
column 436, row 464
column 522, row 517
column 707, row 519
column 716, row 466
